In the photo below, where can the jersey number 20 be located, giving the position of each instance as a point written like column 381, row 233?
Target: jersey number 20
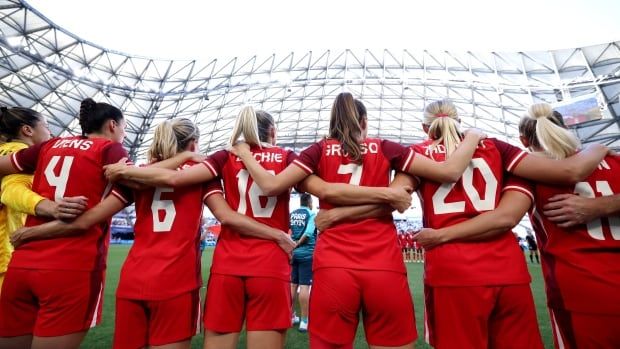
column 467, row 180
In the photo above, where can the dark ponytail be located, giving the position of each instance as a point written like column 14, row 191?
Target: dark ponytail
column 344, row 125
column 93, row 115
column 12, row 120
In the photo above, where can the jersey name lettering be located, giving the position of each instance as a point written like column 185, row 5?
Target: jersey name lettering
column 336, row 149
column 266, row 157
column 81, row 144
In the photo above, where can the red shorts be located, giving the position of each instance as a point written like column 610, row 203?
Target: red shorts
column 146, row 323
column 338, row 295
column 50, row 303
column 480, row 317
column 584, row 331
column 264, row 303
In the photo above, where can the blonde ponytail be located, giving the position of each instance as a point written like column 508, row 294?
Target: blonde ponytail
column 543, row 130
column 442, row 120
column 172, row 137
column 246, row 126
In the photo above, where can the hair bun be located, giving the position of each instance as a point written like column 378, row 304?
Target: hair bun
column 87, row 106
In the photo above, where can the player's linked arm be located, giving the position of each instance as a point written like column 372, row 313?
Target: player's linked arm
column 17, row 194
column 452, row 169
column 398, row 196
column 512, row 207
column 157, row 176
column 6, row 166
column 327, row 218
column 567, row 171
column 245, row 225
column 172, row 163
column 568, row 210
column 55, row 229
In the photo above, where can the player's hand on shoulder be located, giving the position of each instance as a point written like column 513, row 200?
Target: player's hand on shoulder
column 474, row 132
column 114, row 172
column 240, row 149
column 193, row 156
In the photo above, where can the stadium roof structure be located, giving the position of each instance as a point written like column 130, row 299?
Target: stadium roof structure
column 45, row 67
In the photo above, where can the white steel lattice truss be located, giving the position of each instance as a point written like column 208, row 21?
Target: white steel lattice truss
column 51, row 70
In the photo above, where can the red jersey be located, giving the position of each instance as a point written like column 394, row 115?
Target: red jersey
column 368, row 244
column 66, row 167
column 401, row 240
column 581, row 265
column 236, row 254
column 164, row 260
column 497, row 261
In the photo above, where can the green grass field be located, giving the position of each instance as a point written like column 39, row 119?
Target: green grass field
column 101, row 336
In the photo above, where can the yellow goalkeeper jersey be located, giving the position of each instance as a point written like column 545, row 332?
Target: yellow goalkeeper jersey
column 18, row 201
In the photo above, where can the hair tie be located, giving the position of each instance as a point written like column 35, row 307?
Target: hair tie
column 441, row 115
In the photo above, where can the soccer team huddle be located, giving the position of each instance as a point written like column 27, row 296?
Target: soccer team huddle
column 473, row 191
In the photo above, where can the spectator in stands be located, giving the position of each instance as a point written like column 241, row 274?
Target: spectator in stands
column 304, row 234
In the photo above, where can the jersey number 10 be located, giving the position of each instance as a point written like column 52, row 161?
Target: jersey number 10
column 254, row 194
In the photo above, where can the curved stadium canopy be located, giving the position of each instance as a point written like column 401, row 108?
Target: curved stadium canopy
column 51, row 70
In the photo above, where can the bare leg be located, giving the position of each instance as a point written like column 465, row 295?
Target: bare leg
column 406, row 346
column 177, row 345
column 318, row 343
column 21, row 342
column 266, row 339
column 304, row 300
column 69, row 341
column 215, row 340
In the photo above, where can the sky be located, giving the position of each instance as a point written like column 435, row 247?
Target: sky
column 193, row 29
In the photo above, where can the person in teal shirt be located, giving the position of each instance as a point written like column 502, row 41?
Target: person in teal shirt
column 303, row 232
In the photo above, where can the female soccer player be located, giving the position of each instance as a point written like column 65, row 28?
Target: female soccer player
column 581, row 264
column 157, row 297
column 19, row 128
column 353, row 260
column 52, row 290
column 471, row 287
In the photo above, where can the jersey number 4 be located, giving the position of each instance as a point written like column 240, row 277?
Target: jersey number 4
column 59, row 182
